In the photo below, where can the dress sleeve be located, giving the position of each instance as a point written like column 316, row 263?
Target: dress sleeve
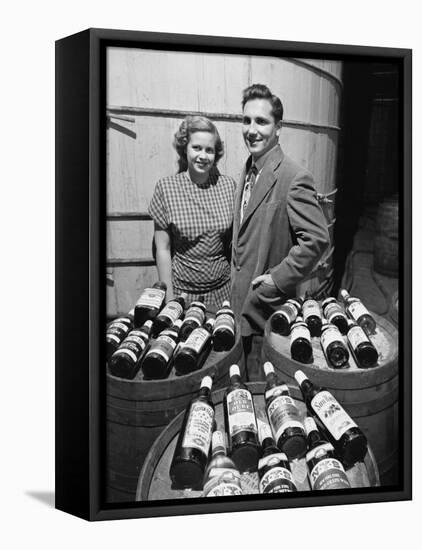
column 158, row 208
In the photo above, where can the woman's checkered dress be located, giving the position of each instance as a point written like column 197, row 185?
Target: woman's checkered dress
column 199, row 219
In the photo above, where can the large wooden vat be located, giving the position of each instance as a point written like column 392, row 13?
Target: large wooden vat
column 369, row 395
column 139, row 410
column 154, row 481
column 148, row 94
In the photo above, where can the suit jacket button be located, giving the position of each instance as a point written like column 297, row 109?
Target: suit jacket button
column 238, row 268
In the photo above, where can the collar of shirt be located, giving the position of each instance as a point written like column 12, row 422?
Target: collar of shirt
column 259, row 164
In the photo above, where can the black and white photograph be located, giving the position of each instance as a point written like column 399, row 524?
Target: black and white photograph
column 253, row 210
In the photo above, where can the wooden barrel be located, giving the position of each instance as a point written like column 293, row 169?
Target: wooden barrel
column 154, row 481
column 138, row 411
column 149, row 92
column 369, row 395
column 386, row 244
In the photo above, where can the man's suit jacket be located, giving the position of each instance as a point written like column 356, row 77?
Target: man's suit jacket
column 283, row 232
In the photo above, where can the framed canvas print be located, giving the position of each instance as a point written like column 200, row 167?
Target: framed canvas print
column 233, row 274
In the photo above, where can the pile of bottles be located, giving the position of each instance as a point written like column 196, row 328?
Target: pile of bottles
column 328, row 439
column 155, row 337
column 339, row 326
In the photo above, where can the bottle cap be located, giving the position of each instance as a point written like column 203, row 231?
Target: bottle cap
column 177, row 323
column 310, row 425
column 234, row 370
column 160, row 284
column 206, row 382
column 218, row 442
column 344, row 294
column 299, row 319
column 268, row 367
column 264, row 432
column 131, row 312
column 324, row 321
column 210, row 320
column 226, row 303
column 300, row 377
column 183, row 295
column 148, row 323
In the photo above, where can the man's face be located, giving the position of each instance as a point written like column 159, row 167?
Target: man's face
column 260, row 131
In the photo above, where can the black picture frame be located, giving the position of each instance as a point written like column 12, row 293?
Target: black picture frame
column 80, row 273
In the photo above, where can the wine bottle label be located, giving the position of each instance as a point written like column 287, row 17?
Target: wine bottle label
column 283, row 414
column 116, row 327
column 272, row 460
column 300, row 331
column 288, row 311
column 224, row 483
column 311, row 307
column 277, row 390
column 224, row 321
column 199, row 427
column 357, row 309
column 114, row 338
column 135, row 343
column 125, row 351
column 241, row 412
column 197, row 339
column 330, row 335
column 195, row 314
column 328, row 474
column 276, row 480
column 356, row 336
column 151, row 297
column 172, row 311
column 333, row 310
column 332, row 414
column 164, row 346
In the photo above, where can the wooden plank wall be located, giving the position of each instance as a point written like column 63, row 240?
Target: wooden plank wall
column 152, row 91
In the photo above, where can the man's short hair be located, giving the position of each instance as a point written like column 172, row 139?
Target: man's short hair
column 260, row 91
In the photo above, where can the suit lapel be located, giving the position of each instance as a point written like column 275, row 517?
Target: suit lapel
column 266, row 180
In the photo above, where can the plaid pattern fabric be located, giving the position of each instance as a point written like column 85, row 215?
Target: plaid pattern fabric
column 199, row 219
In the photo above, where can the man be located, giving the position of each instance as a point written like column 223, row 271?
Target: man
column 279, row 230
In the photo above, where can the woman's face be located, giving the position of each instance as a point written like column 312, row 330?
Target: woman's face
column 200, row 153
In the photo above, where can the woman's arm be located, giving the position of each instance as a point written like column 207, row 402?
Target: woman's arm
column 163, row 257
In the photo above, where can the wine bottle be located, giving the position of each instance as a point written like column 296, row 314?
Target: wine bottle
column 335, row 314
column 325, row 471
column 363, row 350
column 224, row 331
column 273, row 468
column 116, row 332
column 333, row 346
column 300, row 342
column 193, row 444
column 222, row 478
column 191, row 354
column 157, row 360
column 170, row 313
column 283, row 318
column 283, row 416
column 125, row 361
column 150, row 303
column 312, row 316
column 241, row 426
column 347, row 438
column 358, row 312
column 194, row 318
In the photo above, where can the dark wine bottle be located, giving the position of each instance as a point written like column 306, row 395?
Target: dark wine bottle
column 150, row 303
column 312, row 316
column 283, row 318
column 157, row 360
column 116, row 332
column 222, row 478
column 194, row 318
column 125, row 361
column 283, row 416
column 363, row 350
column 300, row 342
column 273, row 468
column 193, row 444
column 241, row 426
column 333, row 346
column 170, row 313
column 325, row 471
column 358, row 312
column 224, row 331
column 335, row 314
column 347, row 438
column 191, row 354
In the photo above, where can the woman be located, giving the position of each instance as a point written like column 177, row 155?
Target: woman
column 193, row 215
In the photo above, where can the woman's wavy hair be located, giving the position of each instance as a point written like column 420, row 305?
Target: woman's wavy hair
column 189, row 126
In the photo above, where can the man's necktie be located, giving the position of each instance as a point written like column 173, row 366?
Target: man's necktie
column 247, row 190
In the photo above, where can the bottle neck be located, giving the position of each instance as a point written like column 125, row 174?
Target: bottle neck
column 315, row 439
column 269, row 447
